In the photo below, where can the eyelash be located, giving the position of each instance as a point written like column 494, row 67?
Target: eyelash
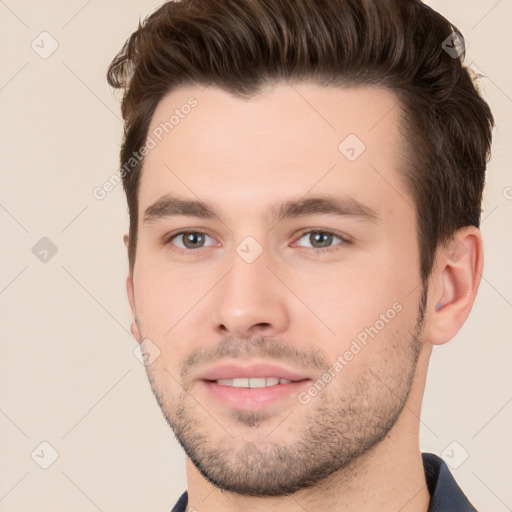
column 190, row 252
column 336, row 247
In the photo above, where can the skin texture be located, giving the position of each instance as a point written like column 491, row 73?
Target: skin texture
column 354, row 445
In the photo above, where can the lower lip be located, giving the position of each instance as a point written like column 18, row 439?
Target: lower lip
column 254, row 398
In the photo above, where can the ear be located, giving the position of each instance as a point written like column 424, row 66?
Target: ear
column 453, row 285
column 130, row 290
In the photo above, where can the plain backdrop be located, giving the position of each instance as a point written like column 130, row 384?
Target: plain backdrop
column 68, row 375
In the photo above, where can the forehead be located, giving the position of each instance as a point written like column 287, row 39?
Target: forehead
column 289, row 139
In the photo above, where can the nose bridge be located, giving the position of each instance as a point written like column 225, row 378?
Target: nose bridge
column 249, row 263
column 249, row 278
column 250, row 294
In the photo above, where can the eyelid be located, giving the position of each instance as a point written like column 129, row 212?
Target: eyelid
column 169, row 238
column 345, row 239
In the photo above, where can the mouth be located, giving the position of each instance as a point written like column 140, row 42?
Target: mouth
column 253, row 375
column 255, row 394
column 252, row 387
column 256, row 382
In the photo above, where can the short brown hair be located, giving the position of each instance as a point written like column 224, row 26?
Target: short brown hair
column 242, row 45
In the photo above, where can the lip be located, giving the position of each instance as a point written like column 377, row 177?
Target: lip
column 254, row 370
column 253, row 399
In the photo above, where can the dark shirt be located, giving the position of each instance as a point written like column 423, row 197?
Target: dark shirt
column 445, row 494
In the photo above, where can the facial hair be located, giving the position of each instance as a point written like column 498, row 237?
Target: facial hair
column 338, row 428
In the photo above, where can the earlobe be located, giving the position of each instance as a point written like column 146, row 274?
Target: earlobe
column 130, row 291
column 134, row 328
column 453, row 285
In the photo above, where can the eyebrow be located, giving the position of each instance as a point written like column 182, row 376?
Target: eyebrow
column 171, row 206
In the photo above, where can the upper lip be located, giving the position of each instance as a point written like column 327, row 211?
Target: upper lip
column 231, row 371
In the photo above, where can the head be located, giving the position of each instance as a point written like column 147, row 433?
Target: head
column 285, row 112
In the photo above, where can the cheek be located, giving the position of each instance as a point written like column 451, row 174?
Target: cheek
column 173, row 301
column 161, row 299
column 335, row 302
column 350, row 296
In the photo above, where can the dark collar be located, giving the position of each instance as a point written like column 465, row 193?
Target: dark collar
column 445, row 494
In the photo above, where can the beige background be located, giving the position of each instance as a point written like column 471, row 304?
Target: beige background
column 68, row 376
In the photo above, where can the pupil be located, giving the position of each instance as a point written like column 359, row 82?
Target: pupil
column 192, row 239
column 319, row 236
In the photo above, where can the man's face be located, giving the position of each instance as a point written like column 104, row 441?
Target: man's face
column 252, row 287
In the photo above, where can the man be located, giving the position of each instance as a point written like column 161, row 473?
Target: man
column 304, row 181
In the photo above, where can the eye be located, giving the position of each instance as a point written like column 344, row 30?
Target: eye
column 189, row 239
column 322, row 239
column 317, row 238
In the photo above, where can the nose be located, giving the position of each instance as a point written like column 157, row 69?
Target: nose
column 250, row 300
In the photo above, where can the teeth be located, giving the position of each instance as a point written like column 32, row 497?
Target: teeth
column 257, row 382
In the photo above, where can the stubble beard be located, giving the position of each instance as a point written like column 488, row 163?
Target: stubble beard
column 337, row 429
